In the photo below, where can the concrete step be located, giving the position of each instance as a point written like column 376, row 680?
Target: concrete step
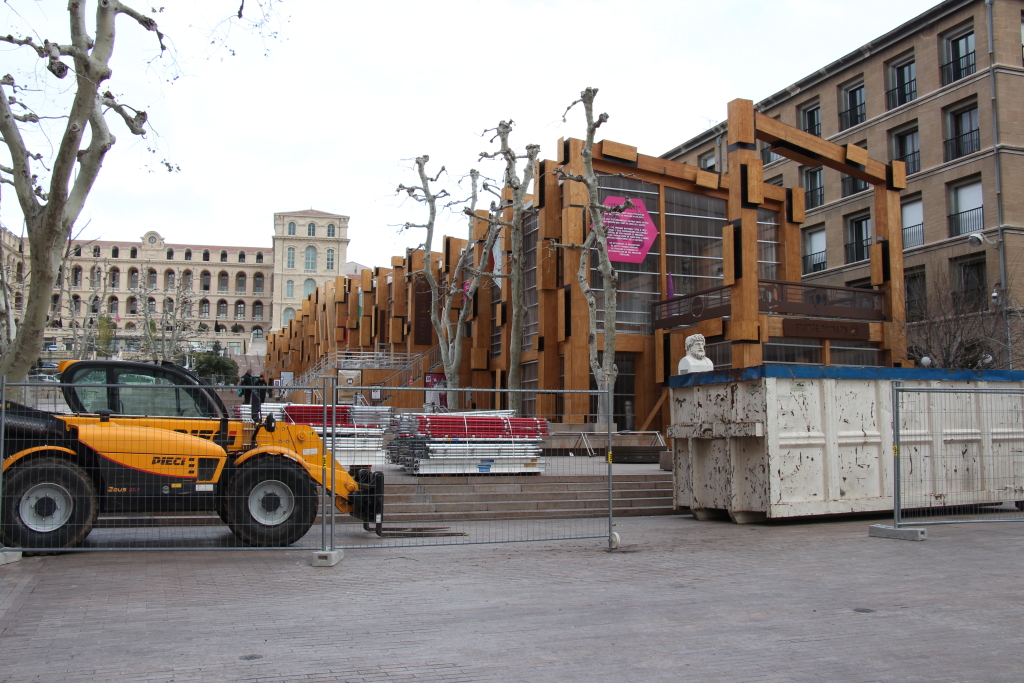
column 449, row 499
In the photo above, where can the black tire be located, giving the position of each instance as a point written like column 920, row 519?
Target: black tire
column 47, row 503
column 271, row 502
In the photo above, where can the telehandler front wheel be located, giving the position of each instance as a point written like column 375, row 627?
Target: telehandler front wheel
column 48, row 503
column 270, row 502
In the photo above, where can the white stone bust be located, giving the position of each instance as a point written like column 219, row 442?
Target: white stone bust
column 695, row 360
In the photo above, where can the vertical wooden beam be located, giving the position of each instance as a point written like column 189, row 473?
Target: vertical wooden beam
column 740, row 253
column 887, row 266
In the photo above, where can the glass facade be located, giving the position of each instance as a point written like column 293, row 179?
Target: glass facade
column 639, row 285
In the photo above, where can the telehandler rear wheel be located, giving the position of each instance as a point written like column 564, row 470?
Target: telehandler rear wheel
column 271, row 501
column 48, row 503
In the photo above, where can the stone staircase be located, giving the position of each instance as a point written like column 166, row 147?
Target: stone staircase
column 448, row 499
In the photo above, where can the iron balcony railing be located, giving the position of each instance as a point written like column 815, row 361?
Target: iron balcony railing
column 813, row 129
column 913, row 236
column 966, row 222
column 814, row 196
column 912, row 160
column 962, row 145
column 901, row 94
column 858, row 250
column 852, row 116
column 958, row 68
column 815, row 262
column 853, row 185
column 776, row 297
column 768, row 156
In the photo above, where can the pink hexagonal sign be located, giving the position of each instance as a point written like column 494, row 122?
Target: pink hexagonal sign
column 630, row 233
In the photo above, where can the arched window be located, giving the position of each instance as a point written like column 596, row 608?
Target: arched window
column 330, row 229
column 19, row 274
column 112, row 305
column 170, row 254
column 151, row 279
column 222, row 282
column 133, row 306
column 204, row 308
column 222, row 309
column 133, row 278
column 239, row 310
column 78, row 250
column 289, row 315
column 169, row 280
column 257, row 332
column 129, row 326
column 76, row 276
column 95, row 277
column 96, row 252
column 308, row 287
column 169, row 305
column 95, row 305
column 311, row 258
column 311, row 230
column 186, row 310
column 203, row 327
column 289, row 289
column 291, row 228
column 289, row 261
column 204, row 281
column 151, row 305
column 259, row 257
column 223, row 256
column 188, row 254
column 134, row 253
column 18, row 301
column 257, row 283
column 115, row 252
column 240, row 283
column 206, row 254
column 76, row 304
column 186, row 280
column 241, row 257
column 330, row 260
column 257, row 310
column 237, row 329
column 115, row 278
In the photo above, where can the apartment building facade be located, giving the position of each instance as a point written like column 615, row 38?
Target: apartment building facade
column 222, row 293
column 945, row 94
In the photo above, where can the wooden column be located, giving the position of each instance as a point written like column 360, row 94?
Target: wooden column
column 739, row 243
column 887, row 270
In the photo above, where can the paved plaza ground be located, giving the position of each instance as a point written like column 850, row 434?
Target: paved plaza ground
column 680, row 601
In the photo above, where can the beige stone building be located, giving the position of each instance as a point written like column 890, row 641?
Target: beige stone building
column 226, row 294
column 310, row 248
column 945, row 94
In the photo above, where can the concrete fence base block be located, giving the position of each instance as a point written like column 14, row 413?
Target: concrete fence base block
column 327, row 558
column 8, row 556
column 886, row 531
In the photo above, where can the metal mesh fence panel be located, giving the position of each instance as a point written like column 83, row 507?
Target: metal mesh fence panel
column 959, row 455
column 130, row 456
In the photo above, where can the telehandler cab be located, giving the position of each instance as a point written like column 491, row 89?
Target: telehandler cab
column 142, row 437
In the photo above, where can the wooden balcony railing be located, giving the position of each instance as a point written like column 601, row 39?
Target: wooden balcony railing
column 774, row 296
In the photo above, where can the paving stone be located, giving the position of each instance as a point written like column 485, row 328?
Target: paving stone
column 681, row 600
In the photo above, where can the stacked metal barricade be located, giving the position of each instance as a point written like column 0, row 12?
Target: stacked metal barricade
column 354, row 434
column 453, row 443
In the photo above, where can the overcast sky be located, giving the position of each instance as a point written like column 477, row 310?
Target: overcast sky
column 329, row 114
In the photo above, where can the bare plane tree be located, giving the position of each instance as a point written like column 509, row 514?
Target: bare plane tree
column 167, row 325
column 957, row 324
column 517, row 187
column 464, row 280
column 596, row 245
column 52, row 189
